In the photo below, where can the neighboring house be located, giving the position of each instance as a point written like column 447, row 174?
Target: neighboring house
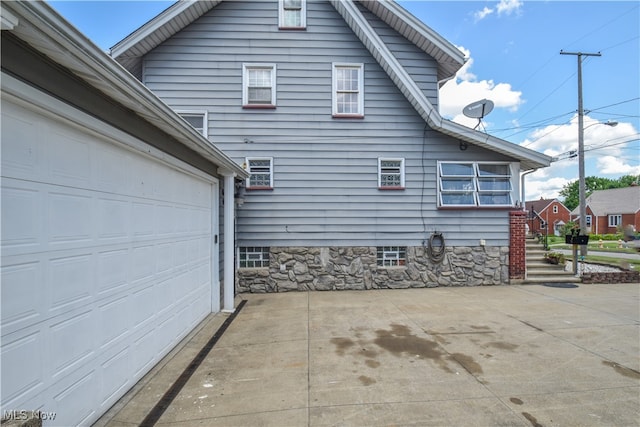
column 110, row 223
column 608, row 211
column 332, row 106
column 552, row 211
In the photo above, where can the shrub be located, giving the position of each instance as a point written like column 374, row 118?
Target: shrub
column 555, row 258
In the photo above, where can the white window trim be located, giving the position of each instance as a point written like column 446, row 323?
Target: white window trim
column 555, row 209
column 396, row 159
column 476, row 188
column 611, row 217
column 248, row 168
column 245, row 84
column 334, row 89
column 303, row 16
column 205, row 119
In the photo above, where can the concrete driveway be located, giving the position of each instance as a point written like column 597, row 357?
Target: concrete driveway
column 489, row 356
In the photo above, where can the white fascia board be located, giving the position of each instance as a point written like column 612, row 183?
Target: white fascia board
column 67, row 46
column 151, row 27
column 536, row 158
column 531, row 159
column 425, row 31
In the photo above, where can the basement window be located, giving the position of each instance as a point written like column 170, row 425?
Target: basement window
column 253, row 257
column 391, row 256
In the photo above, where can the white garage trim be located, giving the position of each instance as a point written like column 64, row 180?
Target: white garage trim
column 23, row 94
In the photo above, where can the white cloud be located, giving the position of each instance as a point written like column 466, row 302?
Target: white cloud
column 507, row 7
column 611, row 165
column 465, row 88
column 602, row 148
column 481, row 14
column 548, row 188
column 599, row 140
column 504, row 7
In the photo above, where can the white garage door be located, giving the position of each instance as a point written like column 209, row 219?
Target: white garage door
column 107, row 258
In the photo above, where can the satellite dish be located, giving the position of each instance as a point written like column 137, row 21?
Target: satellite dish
column 478, row 110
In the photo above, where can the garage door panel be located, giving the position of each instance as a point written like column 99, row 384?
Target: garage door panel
column 113, row 270
column 20, row 286
column 72, row 276
column 143, row 355
column 143, row 221
column 112, row 173
column 22, row 226
column 114, row 319
column 25, row 350
column 71, row 342
column 74, row 397
column 113, row 219
column 21, row 154
column 113, row 383
column 70, row 218
column 69, row 158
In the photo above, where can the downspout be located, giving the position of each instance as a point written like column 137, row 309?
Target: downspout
column 229, row 244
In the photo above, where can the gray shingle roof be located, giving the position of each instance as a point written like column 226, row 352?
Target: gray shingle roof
column 613, row 201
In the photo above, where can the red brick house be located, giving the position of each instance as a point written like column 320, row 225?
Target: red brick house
column 610, row 210
column 552, row 211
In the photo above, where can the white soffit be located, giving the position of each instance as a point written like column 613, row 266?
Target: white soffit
column 130, row 50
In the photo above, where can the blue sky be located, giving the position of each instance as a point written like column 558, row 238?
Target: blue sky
column 513, row 49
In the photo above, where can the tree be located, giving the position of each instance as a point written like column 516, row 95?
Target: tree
column 570, row 192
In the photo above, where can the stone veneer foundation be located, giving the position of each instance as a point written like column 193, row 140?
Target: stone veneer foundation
column 355, row 268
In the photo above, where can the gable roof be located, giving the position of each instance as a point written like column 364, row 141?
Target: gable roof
column 540, row 205
column 131, row 49
column 37, row 24
column 129, row 53
column 614, row 201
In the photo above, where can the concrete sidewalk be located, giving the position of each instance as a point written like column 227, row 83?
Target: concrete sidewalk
column 486, row 356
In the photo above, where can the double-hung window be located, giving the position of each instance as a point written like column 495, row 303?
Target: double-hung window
column 615, row 220
column 390, row 174
column 463, row 184
column 197, row 119
column 348, row 90
column 391, row 256
column 261, row 170
column 259, row 85
column 292, row 14
column 253, row 257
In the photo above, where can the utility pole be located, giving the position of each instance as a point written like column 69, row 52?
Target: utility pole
column 581, row 177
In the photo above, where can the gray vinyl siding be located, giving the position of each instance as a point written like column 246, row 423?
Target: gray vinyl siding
column 325, row 169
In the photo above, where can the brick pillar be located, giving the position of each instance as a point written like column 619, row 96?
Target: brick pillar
column 517, row 264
